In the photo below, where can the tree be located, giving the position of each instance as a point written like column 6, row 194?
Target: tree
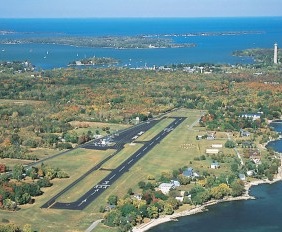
column 27, row 228
column 220, row 191
column 113, row 218
column 230, row 144
column 18, row 171
column 153, row 211
column 237, row 188
column 234, row 167
column 112, row 200
column 168, row 209
column 127, row 209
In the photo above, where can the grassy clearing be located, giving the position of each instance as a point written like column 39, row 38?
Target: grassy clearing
column 179, row 148
column 85, row 126
column 121, row 156
column 21, row 102
column 10, row 163
column 155, row 130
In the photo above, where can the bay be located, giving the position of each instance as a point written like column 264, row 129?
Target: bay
column 260, row 215
column 276, row 145
column 215, row 48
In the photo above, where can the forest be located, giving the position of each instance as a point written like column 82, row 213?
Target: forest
column 36, row 110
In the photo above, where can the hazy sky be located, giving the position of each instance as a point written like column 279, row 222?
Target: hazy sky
column 138, row 8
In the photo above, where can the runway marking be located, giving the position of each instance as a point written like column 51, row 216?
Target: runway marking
column 103, row 185
column 82, row 202
column 121, row 168
column 130, row 161
column 113, row 176
column 151, row 143
column 158, row 138
column 96, row 190
column 145, row 149
column 138, row 154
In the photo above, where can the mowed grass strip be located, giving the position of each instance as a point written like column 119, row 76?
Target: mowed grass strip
column 122, row 156
column 75, row 163
column 83, row 186
column 161, row 125
column 85, row 126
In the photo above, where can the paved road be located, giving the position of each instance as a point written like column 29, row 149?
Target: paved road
column 93, row 225
column 98, row 189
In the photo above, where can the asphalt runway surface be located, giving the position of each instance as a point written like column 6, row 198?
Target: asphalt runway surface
column 119, row 141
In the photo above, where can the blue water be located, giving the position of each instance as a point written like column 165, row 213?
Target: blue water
column 212, row 49
column 277, row 144
column 260, row 215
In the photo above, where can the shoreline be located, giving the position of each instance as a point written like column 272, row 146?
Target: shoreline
column 202, row 208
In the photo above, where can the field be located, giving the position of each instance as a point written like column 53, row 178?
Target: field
column 178, row 149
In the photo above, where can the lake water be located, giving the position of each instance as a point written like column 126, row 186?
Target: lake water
column 261, row 32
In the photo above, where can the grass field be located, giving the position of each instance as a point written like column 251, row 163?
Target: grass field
column 178, row 149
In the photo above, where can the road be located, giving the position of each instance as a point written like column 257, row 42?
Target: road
column 115, row 174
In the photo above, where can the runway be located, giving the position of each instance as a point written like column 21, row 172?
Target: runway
column 119, row 140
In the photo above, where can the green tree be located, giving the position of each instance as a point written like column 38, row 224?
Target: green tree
column 168, row 209
column 237, row 188
column 230, row 144
column 18, row 172
column 112, row 200
column 153, row 211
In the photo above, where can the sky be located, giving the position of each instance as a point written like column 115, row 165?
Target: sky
column 138, row 8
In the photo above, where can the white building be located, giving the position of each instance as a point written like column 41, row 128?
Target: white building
column 212, row 151
column 166, row 187
column 216, row 145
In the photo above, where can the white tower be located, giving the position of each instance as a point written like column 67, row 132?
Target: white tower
column 275, row 54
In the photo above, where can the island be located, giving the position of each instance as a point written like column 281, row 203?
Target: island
column 116, row 42
column 94, row 61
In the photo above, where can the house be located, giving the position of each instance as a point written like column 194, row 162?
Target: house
column 242, row 177
column 215, row 165
column 211, row 136
column 244, row 133
column 250, row 173
column 179, row 199
column 188, row 172
column 176, row 183
column 166, row 187
column 138, row 197
column 110, row 207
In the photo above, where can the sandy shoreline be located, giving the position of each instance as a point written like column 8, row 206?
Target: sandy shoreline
column 199, row 209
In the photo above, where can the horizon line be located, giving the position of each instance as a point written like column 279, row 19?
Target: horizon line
column 143, row 17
